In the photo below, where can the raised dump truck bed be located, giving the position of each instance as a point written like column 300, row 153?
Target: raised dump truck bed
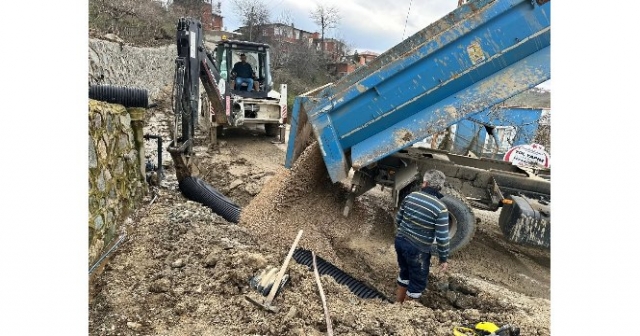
column 473, row 58
column 477, row 56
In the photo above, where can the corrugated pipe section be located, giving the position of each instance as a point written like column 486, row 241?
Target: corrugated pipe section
column 304, row 257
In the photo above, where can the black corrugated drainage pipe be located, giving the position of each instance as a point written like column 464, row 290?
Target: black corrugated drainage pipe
column 197, row 190
column 304, row 257
column 126, row 96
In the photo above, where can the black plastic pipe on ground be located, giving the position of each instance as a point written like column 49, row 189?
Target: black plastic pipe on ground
column 304, row 257
column 197, row 190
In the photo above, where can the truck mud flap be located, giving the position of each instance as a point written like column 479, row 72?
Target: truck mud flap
column 527, row 222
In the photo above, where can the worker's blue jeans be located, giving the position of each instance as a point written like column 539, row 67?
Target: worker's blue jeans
column 414, row 267
column 249, row 81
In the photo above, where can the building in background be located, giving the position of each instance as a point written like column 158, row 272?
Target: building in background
column 213, row 22
column 349, row 63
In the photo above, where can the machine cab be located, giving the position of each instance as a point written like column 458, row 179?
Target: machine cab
column 227, row 53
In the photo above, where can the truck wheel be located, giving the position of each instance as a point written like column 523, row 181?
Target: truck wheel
column 271, row 129
column 462, row 221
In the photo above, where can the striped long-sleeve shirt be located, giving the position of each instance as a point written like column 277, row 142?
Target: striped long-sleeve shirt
column 423, row 217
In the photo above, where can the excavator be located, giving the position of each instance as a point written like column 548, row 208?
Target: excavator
column 221, row 107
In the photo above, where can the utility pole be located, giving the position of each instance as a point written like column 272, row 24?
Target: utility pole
column 251, row 18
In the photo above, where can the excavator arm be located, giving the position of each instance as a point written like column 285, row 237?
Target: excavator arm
column 194, row 65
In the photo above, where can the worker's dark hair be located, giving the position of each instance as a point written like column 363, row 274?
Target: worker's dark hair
column 242, row 55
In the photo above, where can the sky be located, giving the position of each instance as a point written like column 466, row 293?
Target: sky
column 373, row 25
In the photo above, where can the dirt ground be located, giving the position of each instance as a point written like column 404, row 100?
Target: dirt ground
column 185, row 271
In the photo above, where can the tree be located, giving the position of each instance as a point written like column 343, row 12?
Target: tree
column 253, row 14
column 327, row 17
column 143, row 22
column 192, row 8
column 356, row 57
column 285, row 18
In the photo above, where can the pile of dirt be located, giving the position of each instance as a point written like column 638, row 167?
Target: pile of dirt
column 303, row 198
column 186, row 271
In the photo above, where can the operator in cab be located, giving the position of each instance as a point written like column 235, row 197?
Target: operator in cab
column 243, row 73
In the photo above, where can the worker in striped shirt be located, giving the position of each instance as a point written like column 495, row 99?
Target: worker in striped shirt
column 422, row 219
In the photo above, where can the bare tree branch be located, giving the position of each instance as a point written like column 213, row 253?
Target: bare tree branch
column 253, row 14
column 327, row 17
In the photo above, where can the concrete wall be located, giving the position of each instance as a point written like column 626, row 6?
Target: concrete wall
column 116, row 64
column 116, row 185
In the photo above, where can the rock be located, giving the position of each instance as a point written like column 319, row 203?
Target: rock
column 253, row 189
column 464, row 302
column 235, row 183
column 472, row 314
column 102, row 149
column 101, row 182
column 107, row 175
column 123, row 142
column 255, row 260
column 451, row 297
column 298, row 332
column 98, row 222
column 460, row 286
column 178, row 263
column 160, row 286
column 93, row 157
column 442, row 286
column 113, row 38
column 212, row 259
column 135, row 326
column 291, row 314
column 225, row 243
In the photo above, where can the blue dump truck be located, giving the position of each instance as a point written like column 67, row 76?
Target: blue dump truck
column 474, row 58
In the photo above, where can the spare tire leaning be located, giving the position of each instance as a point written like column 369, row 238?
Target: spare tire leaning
column 197, row 190
column 462, row 221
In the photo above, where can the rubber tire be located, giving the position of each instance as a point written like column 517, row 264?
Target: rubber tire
column 458, row 207
column 126, row 96
column 271, row 129
column 197, row 190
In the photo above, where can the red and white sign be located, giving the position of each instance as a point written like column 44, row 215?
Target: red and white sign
column 528, row 155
